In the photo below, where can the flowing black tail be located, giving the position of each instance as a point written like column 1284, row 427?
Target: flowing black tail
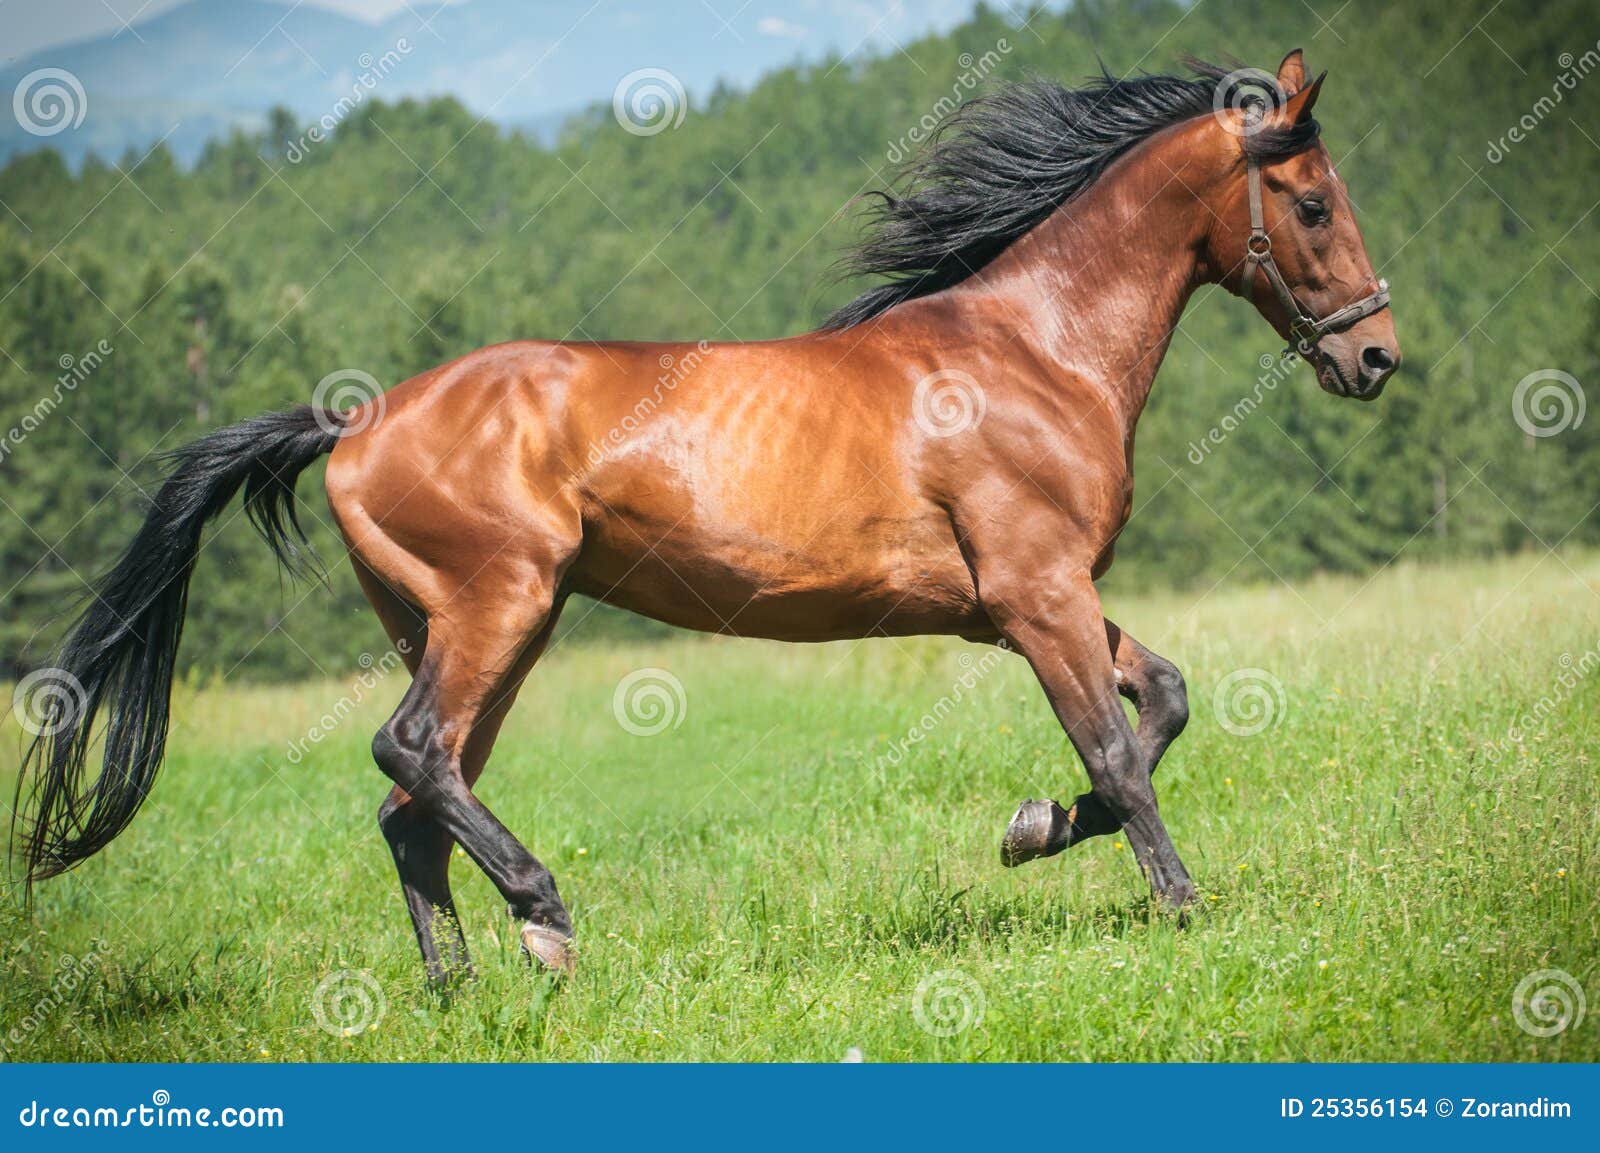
column 122, row 649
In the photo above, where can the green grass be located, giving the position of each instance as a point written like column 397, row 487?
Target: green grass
column 759, row 883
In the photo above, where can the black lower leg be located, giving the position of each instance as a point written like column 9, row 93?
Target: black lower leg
column 421, row 849
column 1122, row 797
column 418, row 764
column 1159, row 694
column 1122, row 782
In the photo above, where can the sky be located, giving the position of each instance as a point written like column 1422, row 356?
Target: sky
column 28, row 25
column 162, row 78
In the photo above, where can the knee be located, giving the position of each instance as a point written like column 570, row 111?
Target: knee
column 404, row 758
column 391, row 753
column 1170, row 693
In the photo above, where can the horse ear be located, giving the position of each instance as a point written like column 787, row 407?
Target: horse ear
column 1298, row 107
column 1292, row 73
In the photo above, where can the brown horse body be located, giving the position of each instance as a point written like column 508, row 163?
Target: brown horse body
column 786, row 489
column 961, row 463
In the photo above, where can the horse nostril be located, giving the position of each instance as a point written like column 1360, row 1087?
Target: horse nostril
column 1377, row 359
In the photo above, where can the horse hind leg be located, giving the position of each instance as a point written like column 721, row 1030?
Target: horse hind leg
column 419, row 845
column 437, row 741
column 1158, row 692
column 421, row 850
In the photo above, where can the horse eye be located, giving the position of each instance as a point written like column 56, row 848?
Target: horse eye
column 1313, row 212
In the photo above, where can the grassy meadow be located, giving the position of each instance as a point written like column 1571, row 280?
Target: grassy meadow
column 780, row 873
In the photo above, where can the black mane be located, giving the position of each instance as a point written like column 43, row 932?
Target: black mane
column 1004, row 162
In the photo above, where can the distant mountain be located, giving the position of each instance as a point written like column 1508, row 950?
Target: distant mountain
column 203, row 68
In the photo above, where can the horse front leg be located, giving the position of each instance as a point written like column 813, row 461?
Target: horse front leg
column 1064, row 641
column 1157, row 691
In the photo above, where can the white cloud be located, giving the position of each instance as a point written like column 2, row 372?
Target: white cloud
column 778, row 26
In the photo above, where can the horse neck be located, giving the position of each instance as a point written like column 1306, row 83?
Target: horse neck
column 1097, row 289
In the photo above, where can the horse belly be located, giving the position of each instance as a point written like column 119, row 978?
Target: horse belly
column 850, row 580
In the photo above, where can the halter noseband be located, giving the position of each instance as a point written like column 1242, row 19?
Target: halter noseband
column 1304, row 330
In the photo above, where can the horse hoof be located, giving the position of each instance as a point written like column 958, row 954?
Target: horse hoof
column 548, row 948
column 1040, row 829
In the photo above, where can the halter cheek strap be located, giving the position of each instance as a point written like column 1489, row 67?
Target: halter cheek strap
column 1305, row 330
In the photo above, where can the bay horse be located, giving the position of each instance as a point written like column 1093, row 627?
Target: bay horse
column 952, row 453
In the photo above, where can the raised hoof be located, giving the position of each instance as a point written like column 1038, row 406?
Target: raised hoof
column 1040, row 829
column 549, row 949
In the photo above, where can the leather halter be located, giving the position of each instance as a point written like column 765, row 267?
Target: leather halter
column 1305, row 330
